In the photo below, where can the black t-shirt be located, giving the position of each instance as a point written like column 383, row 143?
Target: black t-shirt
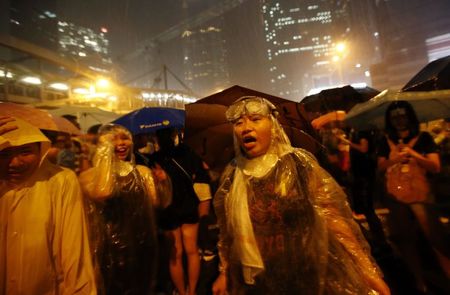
column 184, row 168
column 424, row 145
column 362, row 164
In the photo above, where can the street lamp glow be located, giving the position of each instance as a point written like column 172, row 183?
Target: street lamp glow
column 83, row 91
column 32, row 80
column 336, row 58
column 102, row 83
column 59, row 86
column 6, row 74
column 340, row 47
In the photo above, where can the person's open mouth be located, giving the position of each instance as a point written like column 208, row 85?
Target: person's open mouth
column 121, row 152
column 249, row 142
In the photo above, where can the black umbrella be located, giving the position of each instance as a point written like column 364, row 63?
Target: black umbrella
column 434, row 76
column 334, row 99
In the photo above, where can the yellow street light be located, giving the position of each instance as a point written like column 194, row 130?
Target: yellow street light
column 103, row 83
column 341, row 47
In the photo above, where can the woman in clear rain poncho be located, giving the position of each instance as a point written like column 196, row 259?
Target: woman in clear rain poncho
column 286, row 227
column 122, row 225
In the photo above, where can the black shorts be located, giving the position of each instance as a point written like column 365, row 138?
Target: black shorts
column 173, row 217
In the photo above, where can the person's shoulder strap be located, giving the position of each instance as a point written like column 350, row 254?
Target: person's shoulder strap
column 182, row 169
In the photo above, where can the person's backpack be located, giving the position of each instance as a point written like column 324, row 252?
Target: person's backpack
column 406, row 182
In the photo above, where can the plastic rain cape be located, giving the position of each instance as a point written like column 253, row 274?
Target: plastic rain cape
column 122, row 226
column 43, row 238
column 286, row 227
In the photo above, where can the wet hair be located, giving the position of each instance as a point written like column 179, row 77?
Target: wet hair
column 413, row 122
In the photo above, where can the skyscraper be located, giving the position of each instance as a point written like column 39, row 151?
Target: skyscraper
column 312, row 45
column 300, row 41
column 204, row 62
column 86, row 45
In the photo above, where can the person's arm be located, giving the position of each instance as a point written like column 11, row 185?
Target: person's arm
column 203, row 192
column 71, row 241
column 387, row 157
column 98, row 182
column 430, row 162
column 151, row 184
column 202, row 187
column 362, row 146
column 225, row 239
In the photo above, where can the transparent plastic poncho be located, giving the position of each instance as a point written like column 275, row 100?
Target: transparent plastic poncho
column 122, row 226
column 286, row 227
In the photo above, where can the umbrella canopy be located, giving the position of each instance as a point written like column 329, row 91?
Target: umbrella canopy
column 87, row 116
column 227, row 96
column 39, row 118
column 429, row 106
column 150, row 119
column 208, row 132
column 434, row 76
column 333, row 99
column 66, row 126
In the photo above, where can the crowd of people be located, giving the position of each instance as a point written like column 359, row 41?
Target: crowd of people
column 106, row 214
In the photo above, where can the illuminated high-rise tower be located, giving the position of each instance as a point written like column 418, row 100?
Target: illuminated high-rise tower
column 204, row 53
column 304, row 46
column 205, row 65
column 88, row 46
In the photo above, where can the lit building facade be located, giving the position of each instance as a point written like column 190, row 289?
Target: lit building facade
column 87, row 46
column 205, row 58
column 310, row 46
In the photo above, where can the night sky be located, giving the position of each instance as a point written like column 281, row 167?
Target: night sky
column 128, row 21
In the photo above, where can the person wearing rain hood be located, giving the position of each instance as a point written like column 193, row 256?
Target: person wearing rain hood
column 285, row 226
column 44, row 245
column 121, row 216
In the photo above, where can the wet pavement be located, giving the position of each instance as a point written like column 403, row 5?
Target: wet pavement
column 397, row 276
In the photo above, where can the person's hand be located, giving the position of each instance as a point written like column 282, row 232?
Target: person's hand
column 343, row 139
column 159, row 173
column 106, row 138
column 220, row 285
column 401, row 156
column 409, row 152
column 3, row 121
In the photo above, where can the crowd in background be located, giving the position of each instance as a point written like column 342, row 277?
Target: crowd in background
column 147, row 202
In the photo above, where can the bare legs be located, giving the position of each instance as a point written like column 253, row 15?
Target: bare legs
column 184, row 238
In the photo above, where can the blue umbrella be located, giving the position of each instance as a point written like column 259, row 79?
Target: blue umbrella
column 150, row 119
